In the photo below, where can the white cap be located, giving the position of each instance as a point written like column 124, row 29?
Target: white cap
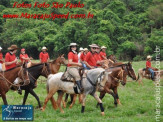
column 103, row 47
column 85, row 49
column 73, row 44
column 0, row 48
column 44, row 48
column 149, row 56
column 81, row 49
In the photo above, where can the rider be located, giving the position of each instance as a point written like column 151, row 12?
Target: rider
column 79, row 54
column 44, row 56
column 148, row 66
column 82, row 56
column 1, row 58
column 103, row 53
column 98, row 57
column 11, row 60
column 90, row 60
column 73, row 65
column 24, row 57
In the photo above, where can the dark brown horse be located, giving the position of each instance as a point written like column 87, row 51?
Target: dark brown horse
column 119, row 74
column 8, row 77
column 37, row 70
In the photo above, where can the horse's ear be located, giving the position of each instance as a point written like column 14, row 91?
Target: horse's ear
column 62, row 55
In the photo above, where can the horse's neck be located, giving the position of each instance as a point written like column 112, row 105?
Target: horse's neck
column 35, row 73
column 55, row 67
column 12, row 75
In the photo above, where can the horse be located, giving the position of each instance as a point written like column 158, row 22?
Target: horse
column 8, row 77
column 144, row 73
column 95, row 77
column 40, row 69
column 119, row 74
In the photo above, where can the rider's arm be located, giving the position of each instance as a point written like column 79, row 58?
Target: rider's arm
column 74, row 63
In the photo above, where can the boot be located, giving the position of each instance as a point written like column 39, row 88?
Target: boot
column 79, row 86
column 19, row 91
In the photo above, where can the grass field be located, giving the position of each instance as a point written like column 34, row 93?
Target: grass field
column 138, row 104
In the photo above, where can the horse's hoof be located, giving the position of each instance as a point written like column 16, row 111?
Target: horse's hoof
column 42, row 109
column 70, row 107
column 102, row 113
column 62, row 112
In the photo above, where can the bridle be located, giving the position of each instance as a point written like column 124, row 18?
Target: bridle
column 19, row 73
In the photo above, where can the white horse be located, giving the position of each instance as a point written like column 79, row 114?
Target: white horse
column 95, row 79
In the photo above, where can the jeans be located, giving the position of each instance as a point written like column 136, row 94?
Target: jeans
column 152, row 73
column 0, row 67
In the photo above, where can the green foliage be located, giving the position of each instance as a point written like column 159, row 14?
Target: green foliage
column 115, row 24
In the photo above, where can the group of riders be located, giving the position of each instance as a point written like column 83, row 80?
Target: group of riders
column 85, row 58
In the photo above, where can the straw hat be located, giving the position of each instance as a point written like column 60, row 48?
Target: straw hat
column 85, row 49
column 81, row 49
column 73, row 44
column 0, row 48
column 44, row 48
column 149, row 57
column 103, row 47
column 93, row 45
column 13, row 47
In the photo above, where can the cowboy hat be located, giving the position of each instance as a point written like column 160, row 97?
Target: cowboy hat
column 148, row 57
column 13, row 47
column 73, row 44
column 103, row 47
column 93, row 45
column 0, row 48
column 85, row 49
column 81, row 49
column 44, row 48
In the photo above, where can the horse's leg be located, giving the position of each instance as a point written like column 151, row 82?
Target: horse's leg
column 49, row 96
column 71, row 97
column 100, row 102
column 83, row 103
column 80, row 98
column 25, row 96
column 65, row 100
column 35, row 95
column 102, row 94
column 3, row 94
column 60, row 95
column 74, row 99
column 53, row 103
column 116, row 95
column 66, row 97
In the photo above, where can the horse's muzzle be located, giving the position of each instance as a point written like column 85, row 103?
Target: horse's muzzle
column 123, row 83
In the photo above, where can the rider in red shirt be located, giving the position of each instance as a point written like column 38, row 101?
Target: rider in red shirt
column 90, row 60
column 103, row 53
column 148, row 66
column 24, row 57
column 10, row 58
column 44, row 56
column 82, row 56
column 98, row 57
column 1, row 58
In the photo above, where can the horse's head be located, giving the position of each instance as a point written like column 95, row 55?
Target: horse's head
column 61, row 59
column 112, row 57
column 23, row 75
column 130, row 71
column 45, row 70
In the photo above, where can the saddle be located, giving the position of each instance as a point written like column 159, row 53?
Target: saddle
column 67, row 77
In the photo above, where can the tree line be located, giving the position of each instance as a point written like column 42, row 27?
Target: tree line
column 130, row 29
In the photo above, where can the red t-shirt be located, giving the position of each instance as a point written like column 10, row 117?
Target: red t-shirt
column 72, row 56
column 148, row 64
column 90, row 59
column 23, row 56
column 44, row 57
column 82, row 56
column 9, row 58
column 1, row 57
column 98, row 58
column 102, row 54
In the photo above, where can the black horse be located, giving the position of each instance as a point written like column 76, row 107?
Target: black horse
column 34, row 73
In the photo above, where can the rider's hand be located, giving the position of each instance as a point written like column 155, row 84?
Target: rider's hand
column 16, row 60
column 79, row 64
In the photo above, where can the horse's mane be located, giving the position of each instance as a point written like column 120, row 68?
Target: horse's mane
column 35, row 65
column 13, row 68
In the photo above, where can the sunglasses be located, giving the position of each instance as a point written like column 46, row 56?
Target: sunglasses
column 94, row 48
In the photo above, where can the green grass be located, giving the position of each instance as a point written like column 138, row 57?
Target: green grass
column 138, row 104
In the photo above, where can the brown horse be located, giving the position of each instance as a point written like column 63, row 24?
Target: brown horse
column 8, row 77
column 119, row 74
